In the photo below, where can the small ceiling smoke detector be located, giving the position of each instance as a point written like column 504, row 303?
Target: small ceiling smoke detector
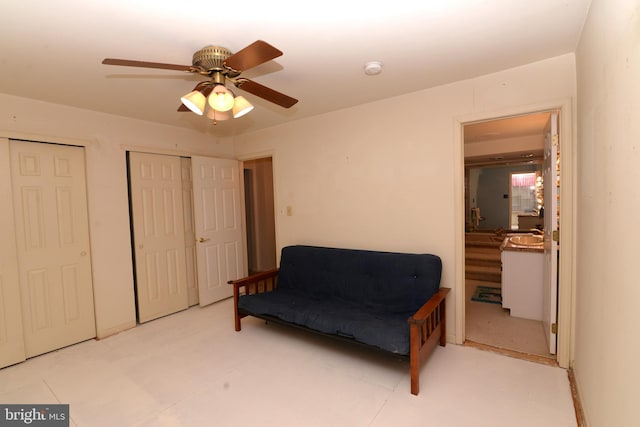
column 373, row 68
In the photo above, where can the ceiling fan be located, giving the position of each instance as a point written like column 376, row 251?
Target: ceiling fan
column 220, row 65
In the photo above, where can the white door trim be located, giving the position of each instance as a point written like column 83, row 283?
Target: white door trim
column 45, row 139
column 567, row 264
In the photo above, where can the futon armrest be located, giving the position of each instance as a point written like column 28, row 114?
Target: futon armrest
column 254, row 278
column 258, row 283
column 427, row 328
column 425, row 311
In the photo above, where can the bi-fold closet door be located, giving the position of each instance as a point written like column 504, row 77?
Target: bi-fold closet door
column 46, row 289
column 187, row 231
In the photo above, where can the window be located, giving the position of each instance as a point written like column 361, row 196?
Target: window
column 524, row 200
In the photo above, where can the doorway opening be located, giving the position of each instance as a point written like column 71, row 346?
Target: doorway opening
column 503, row 168
column 259, row 214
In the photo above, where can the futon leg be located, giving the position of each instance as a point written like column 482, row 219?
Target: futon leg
column 415, row 377
column 414, row 358
column 237, row 319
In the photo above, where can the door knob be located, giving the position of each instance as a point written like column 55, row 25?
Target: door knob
column 202, row 240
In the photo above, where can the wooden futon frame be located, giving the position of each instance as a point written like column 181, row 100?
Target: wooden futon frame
column 427, row 325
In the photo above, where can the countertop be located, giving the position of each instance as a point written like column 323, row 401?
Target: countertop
column 507, row 245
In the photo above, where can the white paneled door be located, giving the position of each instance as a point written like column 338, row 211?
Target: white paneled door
column 11, row 335
column 550, row 266
column 189, row 231
column 158, row 230
column 52, row 241
column 218, row 223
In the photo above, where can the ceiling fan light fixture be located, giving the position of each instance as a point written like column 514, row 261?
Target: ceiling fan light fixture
column 218, row 116
column 241, row 107
column 221, row 99
column 219, row 64
column 195, row 101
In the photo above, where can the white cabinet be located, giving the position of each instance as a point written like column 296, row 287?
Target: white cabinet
column 522, row 282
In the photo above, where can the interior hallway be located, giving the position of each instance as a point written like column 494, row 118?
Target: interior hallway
column 193, row 369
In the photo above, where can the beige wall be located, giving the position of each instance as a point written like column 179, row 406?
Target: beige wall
column 106, row 139
column 608, row 291
column 383, row 175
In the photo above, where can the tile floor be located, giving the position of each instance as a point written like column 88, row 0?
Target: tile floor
column 491, row 324
column 193, row 369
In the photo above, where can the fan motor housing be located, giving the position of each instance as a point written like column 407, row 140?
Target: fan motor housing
column 212, row 58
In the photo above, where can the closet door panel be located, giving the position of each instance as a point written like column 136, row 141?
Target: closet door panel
column 189, row 231
column 52, row 232
column 11, row 332
column 221, row 253
column 158, row 234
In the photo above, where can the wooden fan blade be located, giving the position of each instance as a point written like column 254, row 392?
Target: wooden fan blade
column 144, row 64
column 253, row 55
column 206, row 90
column 266, row 93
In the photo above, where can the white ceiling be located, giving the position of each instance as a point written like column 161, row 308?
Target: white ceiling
column 52, row 51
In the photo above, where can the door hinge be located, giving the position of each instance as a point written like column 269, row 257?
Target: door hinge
column 554, row 328
column 555, row 139
column 556, row 236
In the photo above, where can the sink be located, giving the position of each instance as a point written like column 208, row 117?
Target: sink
column 527, row 240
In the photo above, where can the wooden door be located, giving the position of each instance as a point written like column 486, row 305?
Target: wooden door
column 52, row 241
column 158, row 233
column 218, row 220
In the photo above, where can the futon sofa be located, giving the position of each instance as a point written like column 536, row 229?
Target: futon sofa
column 385, row 300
